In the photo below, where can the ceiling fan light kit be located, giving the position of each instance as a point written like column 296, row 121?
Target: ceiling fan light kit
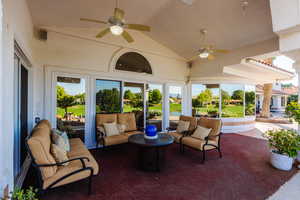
column 117, row 25
column 204, row 54
column 116, row 30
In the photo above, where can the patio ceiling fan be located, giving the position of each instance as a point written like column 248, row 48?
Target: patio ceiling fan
column 207, row 51
column 117, row 25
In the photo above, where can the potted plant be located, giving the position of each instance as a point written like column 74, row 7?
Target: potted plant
column 284, row 145
column 20, row 194
column 293, row 111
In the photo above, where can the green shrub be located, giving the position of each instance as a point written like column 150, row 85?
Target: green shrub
column 293, row 110
column 250, row 109
column 28, row 194
column 286, row 142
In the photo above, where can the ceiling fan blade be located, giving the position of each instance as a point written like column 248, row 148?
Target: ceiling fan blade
column 93, row 20
column 119, row 13
column 127, row 36
column 193, row 58
column 211, row 57
column 221, row 51
column 138, row 27
column 102, row 33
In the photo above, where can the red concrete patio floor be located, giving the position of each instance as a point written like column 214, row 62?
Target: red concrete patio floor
column 242, row 174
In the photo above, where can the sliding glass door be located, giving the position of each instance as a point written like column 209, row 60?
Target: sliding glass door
column 133, row 101
column 175, row 105
column 71, row 105
column 155, row 105
column 108, row 96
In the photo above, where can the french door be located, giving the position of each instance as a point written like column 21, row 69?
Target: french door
column 21, row 129
column 71, row 105
column 154, row 106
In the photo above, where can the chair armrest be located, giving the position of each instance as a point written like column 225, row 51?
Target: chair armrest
column 212, row 136
column 70, row 160
column 100, row 133
column 170, row 129
column 187, row 133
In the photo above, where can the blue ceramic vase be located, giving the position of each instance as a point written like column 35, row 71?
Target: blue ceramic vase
column 151, row 130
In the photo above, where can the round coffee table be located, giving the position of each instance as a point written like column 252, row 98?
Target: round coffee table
column 151, row 153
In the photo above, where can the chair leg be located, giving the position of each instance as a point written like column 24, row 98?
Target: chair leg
column 220, row 153
column 203, row 156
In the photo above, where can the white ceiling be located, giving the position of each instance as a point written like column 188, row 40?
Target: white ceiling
column 174, row 23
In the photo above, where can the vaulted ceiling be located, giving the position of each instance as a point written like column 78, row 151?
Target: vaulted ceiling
column 174, row 23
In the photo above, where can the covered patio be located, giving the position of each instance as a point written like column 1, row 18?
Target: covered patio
column 75, row 67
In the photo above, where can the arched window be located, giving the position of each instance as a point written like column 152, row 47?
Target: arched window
column 133, row 62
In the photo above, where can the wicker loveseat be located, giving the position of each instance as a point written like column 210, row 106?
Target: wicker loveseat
column 127, row 119
column 50, row 174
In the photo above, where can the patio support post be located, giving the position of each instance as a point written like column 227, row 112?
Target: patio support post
column 296, row 66
column 267, row 100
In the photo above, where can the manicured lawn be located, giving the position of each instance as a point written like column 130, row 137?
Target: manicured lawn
column 80, row 110
column 233, row 111
column 158, row 107
column 76, row 110
column 228, row 111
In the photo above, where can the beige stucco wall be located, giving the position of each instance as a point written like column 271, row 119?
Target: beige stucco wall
column 70, row 48
column 17, row 25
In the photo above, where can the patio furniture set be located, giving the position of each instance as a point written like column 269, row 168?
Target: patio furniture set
column 80, row 164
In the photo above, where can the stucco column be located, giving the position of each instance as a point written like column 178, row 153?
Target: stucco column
column 267, row 99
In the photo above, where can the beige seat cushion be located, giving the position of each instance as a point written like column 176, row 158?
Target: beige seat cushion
column 128, row 119
column 77, row 150
column 192, row 120
column 201, row 132
column 39, row 145
column 214, row 124
column 59, row 154
column 116, row 139
column 197, row 143
column 111, row 129
column 176, row 136
column 182, row 126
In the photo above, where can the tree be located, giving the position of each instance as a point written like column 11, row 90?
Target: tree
column 155, row 96
column 238, row 95
column 196, row 103
column 137, row 101
column 205, row 97
column 292, row 98
column 250, row 97
column 225, row 97
column 129, row 95
column 80, row 98
column 108, row 100
column 64, row 100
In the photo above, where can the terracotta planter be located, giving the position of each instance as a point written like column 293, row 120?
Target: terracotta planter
column 282, row 162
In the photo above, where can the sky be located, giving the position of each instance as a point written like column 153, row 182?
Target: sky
column 73, row 88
